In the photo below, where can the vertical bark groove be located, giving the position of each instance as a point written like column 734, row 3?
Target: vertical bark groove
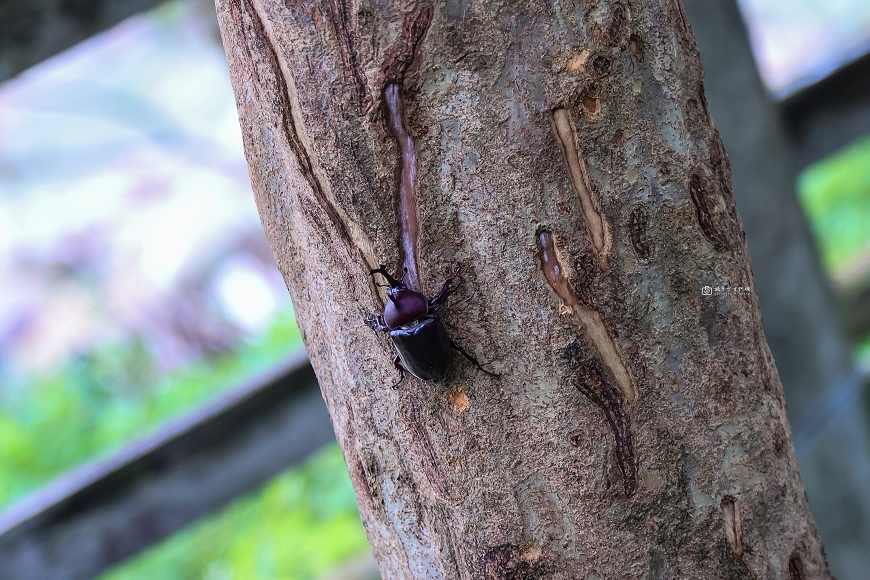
column 294, row 133
column 337, row 12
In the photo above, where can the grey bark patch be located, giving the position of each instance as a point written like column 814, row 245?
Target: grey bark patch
column 658, row 566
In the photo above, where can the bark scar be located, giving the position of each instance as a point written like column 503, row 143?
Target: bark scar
column 612, row 401
column 595, row 220
column 397, row 61
column 637, row 226
column 402, row 54
column 590, row 320
column 702, row 212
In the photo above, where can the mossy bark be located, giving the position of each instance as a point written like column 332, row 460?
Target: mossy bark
column 564, row 155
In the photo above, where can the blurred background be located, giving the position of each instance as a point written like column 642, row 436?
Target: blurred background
column 138, row 289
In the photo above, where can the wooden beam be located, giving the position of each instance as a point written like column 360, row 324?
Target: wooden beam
column 105, row 511
column 31, row 32
column 831, row 113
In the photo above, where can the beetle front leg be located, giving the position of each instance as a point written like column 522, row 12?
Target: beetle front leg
column 471, row 358
column 440, row 299
column 376, row 323
column 398, row 364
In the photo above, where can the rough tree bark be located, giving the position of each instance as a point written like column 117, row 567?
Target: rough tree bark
column 563, row 153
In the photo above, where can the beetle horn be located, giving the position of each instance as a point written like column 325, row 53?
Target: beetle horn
column 382, row 270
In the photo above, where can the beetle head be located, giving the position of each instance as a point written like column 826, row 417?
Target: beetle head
column 404, row 306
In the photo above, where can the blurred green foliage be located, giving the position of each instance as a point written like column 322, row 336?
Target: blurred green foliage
column 100, row 399
column 299, row 526
column 835, row 193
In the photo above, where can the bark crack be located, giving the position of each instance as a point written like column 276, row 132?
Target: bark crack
column 612, row 401
column 351, row 237
column 340, row 19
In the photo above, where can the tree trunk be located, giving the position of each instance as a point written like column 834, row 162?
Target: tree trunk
column 564, row 155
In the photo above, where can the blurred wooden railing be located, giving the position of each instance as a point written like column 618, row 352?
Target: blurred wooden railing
column 107, row 510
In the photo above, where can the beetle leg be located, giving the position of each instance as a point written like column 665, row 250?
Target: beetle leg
column 440, row 299
column 471, row 358
column 397, row 363
column 376, row 323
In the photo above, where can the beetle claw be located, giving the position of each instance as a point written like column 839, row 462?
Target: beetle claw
column 473, row 360
column 397, row 363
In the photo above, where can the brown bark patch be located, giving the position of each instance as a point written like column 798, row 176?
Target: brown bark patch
column 509, row 562
column 459, row 400
column 577, row 62
column 402, row 54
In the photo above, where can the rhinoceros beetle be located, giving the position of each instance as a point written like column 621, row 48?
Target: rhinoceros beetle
column 423, row 346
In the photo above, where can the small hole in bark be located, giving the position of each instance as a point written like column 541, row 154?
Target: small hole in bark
column 602, row 65
column 576, row 437
column 795, row 568
column 635, row 46
column 590, row 104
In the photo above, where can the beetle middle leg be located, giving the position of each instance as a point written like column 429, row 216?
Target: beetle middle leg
column 473, row 360
column 398, row 364
column 440, row 299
